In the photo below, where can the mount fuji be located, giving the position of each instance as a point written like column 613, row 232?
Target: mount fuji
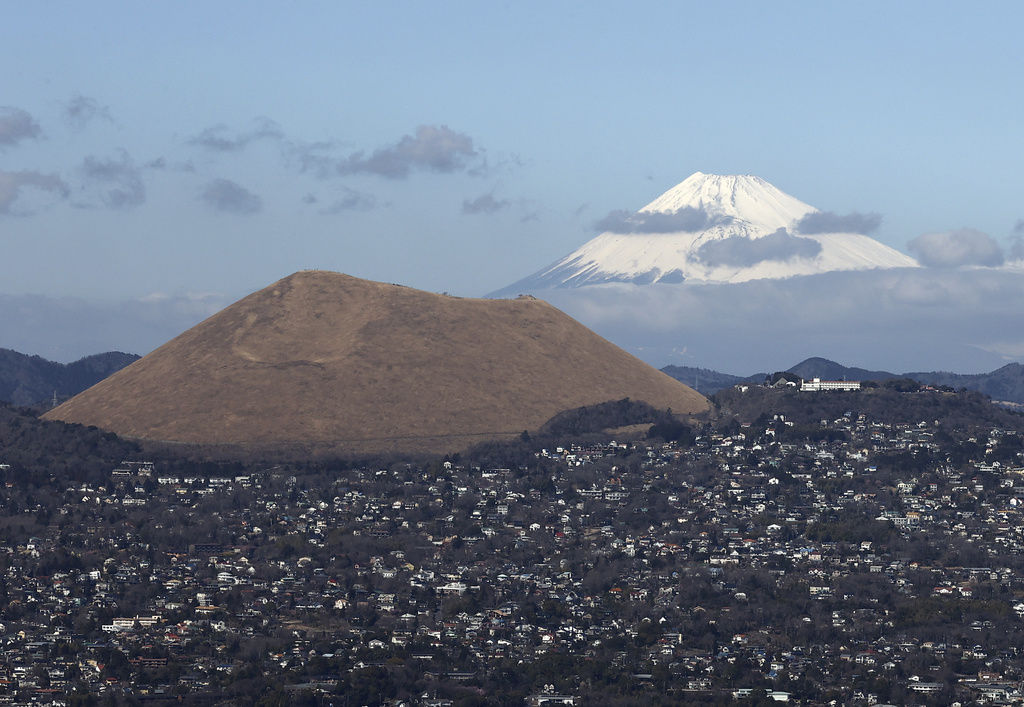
column 718, row 229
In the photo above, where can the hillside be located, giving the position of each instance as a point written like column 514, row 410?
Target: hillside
column 708, row 382
column 28, row 380
column 328, row 360
column 1005, row 385
column 883, row 404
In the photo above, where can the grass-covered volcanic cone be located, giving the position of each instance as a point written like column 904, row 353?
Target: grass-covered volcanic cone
column 325, row 359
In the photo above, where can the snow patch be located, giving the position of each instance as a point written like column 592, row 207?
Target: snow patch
column 739, row 210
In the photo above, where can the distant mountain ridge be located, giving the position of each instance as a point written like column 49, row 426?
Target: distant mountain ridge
column 1005, row 384
column 830, row 370
column 708, row 382
column 28, row 380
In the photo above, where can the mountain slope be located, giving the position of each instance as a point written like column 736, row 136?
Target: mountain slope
column 322, row 358
column 712, row 228
column 27, row 380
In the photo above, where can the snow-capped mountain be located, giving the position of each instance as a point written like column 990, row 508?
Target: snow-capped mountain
column 713, row 228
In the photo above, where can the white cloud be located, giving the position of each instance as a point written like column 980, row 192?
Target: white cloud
column 485, row 204
column 12, row 184
column 950, row 249
column 228, row 196
column 119, row 178
column 348, row 200
column 220, row 138
column 829, row 222
column 900, row 320
column 17, row 125
column 687, row 219
column 434, row 148
column 66, row 329
column 744, row 252
column 1016, row 251
column 82, row 110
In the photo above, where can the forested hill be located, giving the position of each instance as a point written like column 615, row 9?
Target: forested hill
column 892, row 402
column 28, row 380
column 1004, row 385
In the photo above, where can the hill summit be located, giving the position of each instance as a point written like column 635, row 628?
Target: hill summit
column 718, row 228
column 322, row 358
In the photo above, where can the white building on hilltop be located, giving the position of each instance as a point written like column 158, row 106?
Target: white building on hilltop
column 817, row 384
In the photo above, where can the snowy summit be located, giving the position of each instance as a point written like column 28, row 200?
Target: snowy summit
column 713, row 228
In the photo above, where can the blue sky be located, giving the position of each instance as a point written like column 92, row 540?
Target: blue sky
column 160, row 160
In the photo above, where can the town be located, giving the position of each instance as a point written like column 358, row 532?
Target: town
column 831, row 547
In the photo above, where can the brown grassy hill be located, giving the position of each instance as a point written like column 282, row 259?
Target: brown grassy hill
column 329, row 360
